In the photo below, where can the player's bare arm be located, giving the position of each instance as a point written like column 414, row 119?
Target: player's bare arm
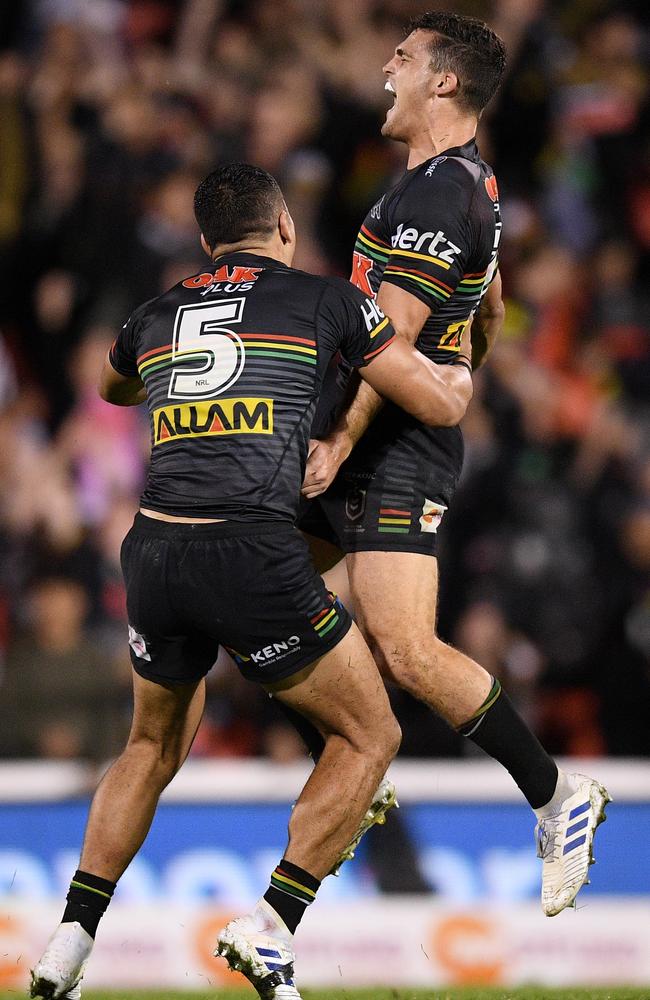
column 121, row 390
column 436, row 397
column 488, row 323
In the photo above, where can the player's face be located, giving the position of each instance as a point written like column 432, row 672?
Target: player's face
column 410, row 79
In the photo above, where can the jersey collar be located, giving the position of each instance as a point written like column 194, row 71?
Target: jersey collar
column 468, row 151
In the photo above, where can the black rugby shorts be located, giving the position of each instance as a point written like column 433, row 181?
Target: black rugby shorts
column 392, row 493
column 251, row 588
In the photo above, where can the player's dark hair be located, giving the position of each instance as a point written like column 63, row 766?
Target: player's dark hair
column 236, row 202
column 467, row 47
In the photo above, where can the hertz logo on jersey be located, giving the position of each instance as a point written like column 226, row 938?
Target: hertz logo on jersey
column 430, row 244
column 208, row 417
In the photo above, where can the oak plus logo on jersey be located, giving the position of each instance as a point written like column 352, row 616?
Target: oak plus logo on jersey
column 227, row 278
column 212, row 417
column 430, row 244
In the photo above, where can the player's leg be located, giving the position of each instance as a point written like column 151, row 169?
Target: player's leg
column 336, row 580
column 344, row 696
column 385, row 797
column 165, row 720
column 395, row 596
column 328, row 675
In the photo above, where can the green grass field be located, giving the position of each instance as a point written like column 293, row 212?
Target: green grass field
column 528, row 993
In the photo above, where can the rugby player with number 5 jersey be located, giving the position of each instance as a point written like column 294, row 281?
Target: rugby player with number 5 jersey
column 427, row 253
column 230, row 362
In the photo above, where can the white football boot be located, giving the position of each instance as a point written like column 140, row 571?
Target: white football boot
column 565, row 841
column 266, row 959
column 58, row 972
column 384, row 799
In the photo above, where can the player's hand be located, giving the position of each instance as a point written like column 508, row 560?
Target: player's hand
column 325, row 458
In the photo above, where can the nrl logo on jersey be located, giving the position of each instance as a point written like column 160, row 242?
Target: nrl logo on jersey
column 434, row 163
column 430, row 243
column 355, row 503
column 375, row 211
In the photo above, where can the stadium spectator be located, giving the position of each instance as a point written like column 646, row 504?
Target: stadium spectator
column 108, row 114
column 60, row 695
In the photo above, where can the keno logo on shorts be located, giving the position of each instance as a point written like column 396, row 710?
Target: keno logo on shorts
column 432, row 514
column 276, row 650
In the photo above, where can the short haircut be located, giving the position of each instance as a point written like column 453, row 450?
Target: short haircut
column 467, row 47
column 236, row 202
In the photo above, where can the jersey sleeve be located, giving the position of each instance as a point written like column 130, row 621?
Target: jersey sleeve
column 353, row 324
column 123, row 354
column 431, row 236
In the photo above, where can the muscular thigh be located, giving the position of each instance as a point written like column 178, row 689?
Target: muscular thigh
column 395, row 598
column 342, row 693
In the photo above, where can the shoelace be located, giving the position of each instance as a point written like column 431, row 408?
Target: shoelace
column 547, row 836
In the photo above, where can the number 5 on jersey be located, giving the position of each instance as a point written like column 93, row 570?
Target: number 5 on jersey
column 212, row 355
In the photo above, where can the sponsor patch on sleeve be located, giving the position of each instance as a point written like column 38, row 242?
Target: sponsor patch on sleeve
column 432, row 515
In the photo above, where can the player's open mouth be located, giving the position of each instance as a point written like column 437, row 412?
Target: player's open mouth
column 391, row 90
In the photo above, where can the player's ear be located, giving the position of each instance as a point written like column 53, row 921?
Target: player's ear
column 286, row 227
column 445, row 84
column 204, row 244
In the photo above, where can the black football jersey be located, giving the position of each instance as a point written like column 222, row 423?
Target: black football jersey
column 232, row 360
column 435, row 234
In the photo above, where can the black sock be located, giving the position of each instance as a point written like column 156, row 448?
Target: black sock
column 291, row 891
column 88, row 899
column 498, row 729
column 310, row 735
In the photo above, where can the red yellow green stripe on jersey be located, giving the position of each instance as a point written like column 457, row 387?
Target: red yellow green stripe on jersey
column 439, row 289
column 274, row 345
column 471, row 284
column 395, row 520
column 373, row 333
column 371, row 245
column 256, row 344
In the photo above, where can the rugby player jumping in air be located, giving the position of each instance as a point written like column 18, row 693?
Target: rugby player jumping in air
column 427, row 251
column 230, row 362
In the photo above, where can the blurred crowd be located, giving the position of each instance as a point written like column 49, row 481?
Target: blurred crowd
column 111, row 111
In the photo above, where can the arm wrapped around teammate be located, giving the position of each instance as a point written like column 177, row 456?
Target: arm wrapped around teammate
column 437, row 395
